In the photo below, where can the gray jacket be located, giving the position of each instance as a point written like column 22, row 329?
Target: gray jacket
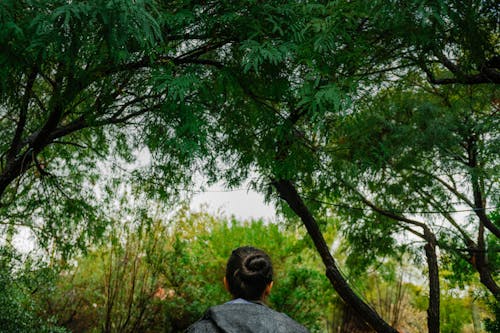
column 245, row 318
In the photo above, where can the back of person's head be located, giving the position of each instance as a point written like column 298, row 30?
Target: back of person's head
column 248, row 272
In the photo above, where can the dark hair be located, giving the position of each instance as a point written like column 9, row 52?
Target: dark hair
column 248, row 272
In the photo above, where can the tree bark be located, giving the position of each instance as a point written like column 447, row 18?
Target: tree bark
column 288, row 193
column 480, row 209
column 480, row 262
column 478, row 186
column 486, row 278
column 351, row 322
column 434, row 291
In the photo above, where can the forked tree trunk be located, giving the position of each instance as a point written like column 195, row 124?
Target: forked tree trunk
column 288, row 193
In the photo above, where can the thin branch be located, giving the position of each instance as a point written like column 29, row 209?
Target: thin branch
column 409, row 229
column 161, row 60
column 69, row 143
column 387, row 213
column 39, row 167
column 383, row 70
column 485, row 76
column 426, row 196
column 445, row 184
column 15, row 145
column 195, row 53
column 122, row 107
column 40, row 103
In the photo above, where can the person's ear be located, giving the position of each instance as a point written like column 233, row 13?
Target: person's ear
column 226, row 285
column 267, row 291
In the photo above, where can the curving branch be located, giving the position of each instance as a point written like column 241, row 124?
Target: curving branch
column 486, row 75
column 16, row 144
column 477, row 259
column 289, row 194
column 436, row 205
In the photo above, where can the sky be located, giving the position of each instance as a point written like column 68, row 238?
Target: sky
column 241, row 203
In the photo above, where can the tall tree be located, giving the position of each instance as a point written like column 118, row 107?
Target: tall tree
column 431, row 156
column 358, row 49
column 79, row 79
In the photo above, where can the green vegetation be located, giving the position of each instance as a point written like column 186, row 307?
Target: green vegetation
column 376, row 119
column 19, row 281
column 160, row 276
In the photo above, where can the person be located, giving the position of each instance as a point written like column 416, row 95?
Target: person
column 249, row 279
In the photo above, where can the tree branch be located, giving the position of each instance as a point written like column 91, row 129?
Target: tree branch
column 486, row 75
column 387, row 213
column 445, row 184
column 447, row 216
column 479, row 200
column 289, row 194
column 15, row 145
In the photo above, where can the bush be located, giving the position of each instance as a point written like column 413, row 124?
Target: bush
column 18, row 310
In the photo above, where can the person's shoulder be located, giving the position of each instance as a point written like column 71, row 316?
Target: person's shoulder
column 203, row 326
column 284, row 321
column 272, row 319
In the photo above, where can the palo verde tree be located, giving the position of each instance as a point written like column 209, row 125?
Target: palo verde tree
column 409, row 164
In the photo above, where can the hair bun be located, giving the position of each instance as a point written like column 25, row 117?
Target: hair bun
column 255, row 267
column 248, row 273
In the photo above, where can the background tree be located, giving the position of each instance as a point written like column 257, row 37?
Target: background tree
column 444, row 167
column 163, row 275
column 70, row 71
column 290, row 142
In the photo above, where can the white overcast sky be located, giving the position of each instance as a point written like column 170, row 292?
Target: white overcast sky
column 217, row 199
column 241, row 203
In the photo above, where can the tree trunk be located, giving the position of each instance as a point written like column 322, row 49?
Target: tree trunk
column 288, row 193
column 434, row 292
column 486, row 278
column 351, row 322
column 480, row 262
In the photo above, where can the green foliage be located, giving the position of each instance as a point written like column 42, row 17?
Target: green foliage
column 295, row 292
column 18, row 282
column 332, row 96
column 455, row 313
column 492, row 325
column 493, row 245
column 403, row 160
column 163, row 276
column 59, row 67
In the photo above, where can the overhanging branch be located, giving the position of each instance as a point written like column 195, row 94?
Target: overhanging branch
column 287, row 192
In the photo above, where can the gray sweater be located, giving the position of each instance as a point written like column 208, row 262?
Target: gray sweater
column 245, row 318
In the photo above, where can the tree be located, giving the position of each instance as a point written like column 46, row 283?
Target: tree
column 70, row 71
column 92, row 76
column 290, row 144
column 82, row 69
column 79, row 80
column 430, row 160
